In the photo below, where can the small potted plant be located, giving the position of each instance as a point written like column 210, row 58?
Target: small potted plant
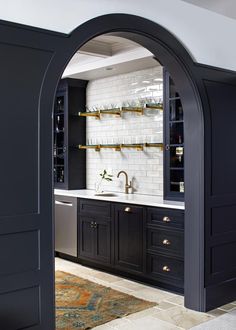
column 104, row 176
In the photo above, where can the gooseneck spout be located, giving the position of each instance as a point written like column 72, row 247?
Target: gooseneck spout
column 127, row 185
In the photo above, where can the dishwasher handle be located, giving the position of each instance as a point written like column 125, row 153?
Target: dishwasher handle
column 63, row 203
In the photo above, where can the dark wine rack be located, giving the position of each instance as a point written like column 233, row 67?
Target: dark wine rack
column 69, row 130
column 174, row 141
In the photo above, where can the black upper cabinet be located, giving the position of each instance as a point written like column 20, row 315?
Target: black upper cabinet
column 174, row 141
column 129, row 237
column 69, row 131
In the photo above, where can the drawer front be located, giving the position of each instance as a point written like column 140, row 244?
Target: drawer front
column 165, row 217
column 98, row 208
column 166, row 241
column 166, row 269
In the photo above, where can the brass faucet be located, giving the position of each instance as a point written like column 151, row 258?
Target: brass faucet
column 127, row 185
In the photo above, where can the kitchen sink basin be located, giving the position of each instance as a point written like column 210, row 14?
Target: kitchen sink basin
column 106, row 194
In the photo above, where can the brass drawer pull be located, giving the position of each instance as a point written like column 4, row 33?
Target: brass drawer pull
column 166, row 219
column 166, row 269
column 127, row 209
column 166, row 242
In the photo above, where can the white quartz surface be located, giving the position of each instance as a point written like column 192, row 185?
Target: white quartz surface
column 136, row 199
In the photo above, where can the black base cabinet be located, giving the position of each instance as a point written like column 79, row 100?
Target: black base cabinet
column 128, row 237
column 95, row 231
column 143, row 243
column 95, row 238
column 165, row 246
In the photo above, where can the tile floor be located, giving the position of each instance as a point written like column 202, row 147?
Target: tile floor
column 169, row 314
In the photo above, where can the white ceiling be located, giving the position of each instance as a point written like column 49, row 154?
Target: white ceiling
column 106, row 56
column 223, row 7
column 206, row 35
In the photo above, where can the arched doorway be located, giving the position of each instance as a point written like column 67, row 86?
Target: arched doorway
column 172, row 55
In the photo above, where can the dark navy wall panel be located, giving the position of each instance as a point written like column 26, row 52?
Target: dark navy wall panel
column 220, row 186
column 25, row 253
column 31, row 64
column 223, row 220
column 26, row 229
column 17, row 313
column 222, row 100
column 19, row 127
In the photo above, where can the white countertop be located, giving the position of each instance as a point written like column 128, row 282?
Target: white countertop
column 148, row 200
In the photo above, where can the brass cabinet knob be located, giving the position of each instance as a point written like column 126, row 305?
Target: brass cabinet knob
column 166, row 219
column 127, row 209
column 166, row 269
column 166, row 242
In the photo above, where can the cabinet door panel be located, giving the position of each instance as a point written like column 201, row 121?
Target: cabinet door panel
column 86, row 234
column 102, row 241
column 129, row 237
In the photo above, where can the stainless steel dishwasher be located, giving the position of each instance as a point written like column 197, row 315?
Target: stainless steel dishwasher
column 66, row 225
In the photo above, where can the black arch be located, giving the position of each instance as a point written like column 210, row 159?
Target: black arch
column 172, row 55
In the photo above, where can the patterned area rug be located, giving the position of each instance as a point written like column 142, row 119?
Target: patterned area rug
column 82, row 304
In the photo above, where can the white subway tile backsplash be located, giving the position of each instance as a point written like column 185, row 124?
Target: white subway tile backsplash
column 145, row 168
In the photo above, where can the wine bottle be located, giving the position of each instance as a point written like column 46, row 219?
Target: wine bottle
column 181, row 187
column 180, row 112
column 179, row 151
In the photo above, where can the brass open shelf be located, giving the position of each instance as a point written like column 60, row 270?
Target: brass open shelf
column 154, row 106
column 118, row 111
column 118, row 147
column 133, row 109
column 95, row 147
column 95, row 114
column 113, row 111
column 154, row 145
